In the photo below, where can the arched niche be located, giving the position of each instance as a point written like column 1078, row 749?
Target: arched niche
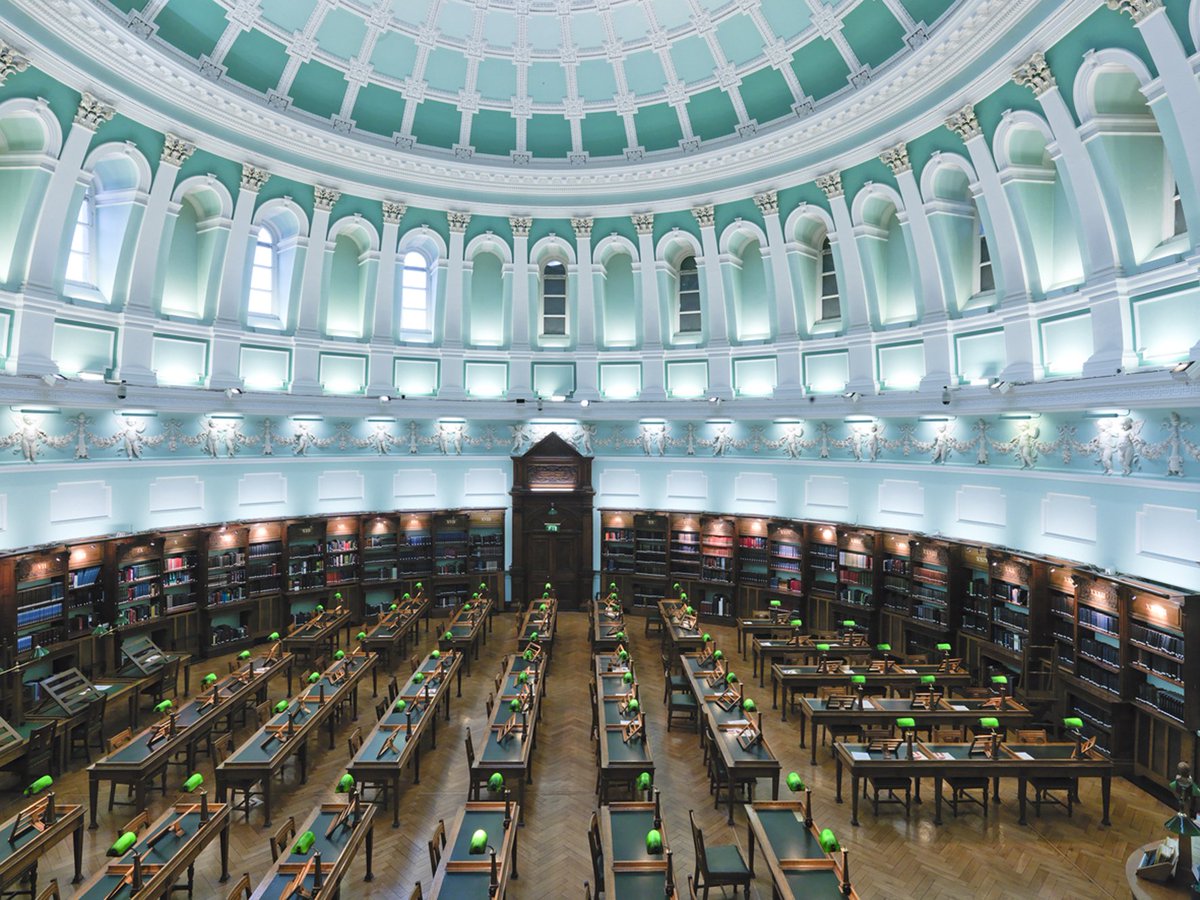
column 30, row 141
column 352, row 257
column 747, row 283
column 190, row 270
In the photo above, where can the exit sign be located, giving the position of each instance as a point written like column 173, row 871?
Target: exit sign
column 552, row 526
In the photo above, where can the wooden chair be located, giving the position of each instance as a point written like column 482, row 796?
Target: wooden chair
column 393, row 689
column 718, row 779
column 241, row 797
column 50, row 891
column 242, row 889
column 437, row 844
column 654, row 622
column 491, row 702
column 39, row 758
column 413, row 664
column 681, row 702
column 140, row 822
column 892, row 786
column 597, row 852
column 718, row 866
column 355, row 741
column 416, row 892
column 475, row 783
column 947, row 734
column 89, row 733
column 1045, row 790
column 262, row 713
column 1032, row 736
column 381, row 708
column 282, row 839
column 961, row 792
column 115, row 743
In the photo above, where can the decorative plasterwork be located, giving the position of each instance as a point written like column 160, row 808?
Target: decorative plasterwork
column 1035, row 75
column 849, row 118
column 582, row 227
column 92, row 113
column 254, row 178
column 964, row 123
column 11, row 62
column 393, row 211
column 520, row 226
column 896, row 159
column 831, row 184
column 1137, row 9
column 326, row 198
column 704, row 215
column 644, row 223
column 459, row 221
column 176, row 150
column 767, row 203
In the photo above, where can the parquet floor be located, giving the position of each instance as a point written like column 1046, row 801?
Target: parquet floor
column 1053, row 857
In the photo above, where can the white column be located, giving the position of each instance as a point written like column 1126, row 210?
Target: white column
column 383, row 335
column 451, row 375
column 1099, row 246
column 306, row 377
column 138, row 333
column 787, row 342
column 720, row 376
column 227, row 324
column 586, row 357
column 1005, row 246
column 651, row 336
column 520, row 359
column 853, row 286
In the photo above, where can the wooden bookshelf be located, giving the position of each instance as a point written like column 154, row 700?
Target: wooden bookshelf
column 380, row 542
column 718, row 537
column 617, row 541
column 684, row 549
column 342, row 551
column 415, row 540
column 651, row 540
column 183, row 573
column 138, row 597
column 753, row 553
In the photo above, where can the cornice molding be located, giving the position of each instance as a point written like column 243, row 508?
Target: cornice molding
column 951, row 53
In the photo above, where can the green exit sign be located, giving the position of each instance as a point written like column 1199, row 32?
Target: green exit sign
column 552, row 526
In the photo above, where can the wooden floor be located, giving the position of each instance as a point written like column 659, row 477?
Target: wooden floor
column 1053, row 857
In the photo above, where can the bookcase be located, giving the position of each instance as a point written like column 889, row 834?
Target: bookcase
column 753, row 553
column 896, row 572
column 617, row 542
column 380, row 550
column 85, row 582
column 485, row 540
column 823, row 568
column 226, row 582
column 977, row 591
column 685, row 547
column 416, row 545
column 43, row 620
column 305, row 555
column 139, row 592
column 786, row 561
column 856, row 575
column 341, row 551
column 929, row 586
column 182, row 576
column 650, row 545
column 717, row 537
column 1009, row 620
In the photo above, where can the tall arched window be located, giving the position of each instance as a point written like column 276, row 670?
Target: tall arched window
column 554, row 299
column 831, row 302
column 414, row 295
column 689, row 297
column 80, row 261
column 986, row 280
column 264, row 275
column 1178, row 220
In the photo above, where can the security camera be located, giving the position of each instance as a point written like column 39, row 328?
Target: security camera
column 122, row 392
column 945, row 396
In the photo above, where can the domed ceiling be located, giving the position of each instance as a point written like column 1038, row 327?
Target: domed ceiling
column 540, row 81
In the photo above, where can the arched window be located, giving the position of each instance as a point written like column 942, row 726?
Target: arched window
column 689, row 297
column 986, row 281
column 264, row 275
column 554, row 299
column 831, row 302
column 80, row 261
column 414, row 295
column 1178, row 220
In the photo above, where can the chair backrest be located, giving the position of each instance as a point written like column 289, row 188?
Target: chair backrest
column 355, row 741
column 262, row 713
column 1032, row 736
column 242, row 889
column 918, row 659
column 119, row 740
column 698, row 844
column 413, row 662
column 491, row 702
column 470, row 750
column 877, row 733
column 171, row 672
column 95, row 714
column 137, row 823
column 282, row 838
column 41, row 740
column 947, row 734
column 50, row 891
column 416, row 892
column 597, row 852
column 381, row 709
column 221, row 750
column 692, row 895
column 393, row 688
column 587, row 890
column 437, row 844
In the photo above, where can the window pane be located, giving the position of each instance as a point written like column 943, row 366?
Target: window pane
column 264, row 256
column 262, row 303
column 987, row 280
column 689, row 282
column 554, row 285
column 556, row 306
column 689, row 302
column 414, row 260
column 411, row 298
column 555, row 325
column 413, row 320
column 830, row 308
column 77, row 268
column 689, row 322
column 415, row 278
column 688, row 265
column 555, row 269
column 1180, row 219
column 261, row 280
column 828, row 285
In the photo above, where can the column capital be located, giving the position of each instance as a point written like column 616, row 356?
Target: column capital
column 325, row 197
column 92, row 113
column 1035, row 75
column 1137, row 9
column 964, row 123
column 176, row 151
column 767, row 203
column 704, row 215
column 253, row 178
column 583, row 227
column 459, row 222
column 896, row 158
column 520, row 225
column 11, row 62
column 643, row 223
column 393, row 211
column 831, row 184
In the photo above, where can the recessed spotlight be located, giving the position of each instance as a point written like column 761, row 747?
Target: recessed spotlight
column 713, row 399
column 385, row 398
column 233, row 392
column 585, row 403
column 852, row 396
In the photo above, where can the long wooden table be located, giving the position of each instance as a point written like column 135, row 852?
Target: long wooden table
column 606, row 623
column 790, row 845
column 66, row 697
column 167, row 849
column 538, row 625
column 27, row 836
column 741, row 763
column 462, row 875
column 960, row 712
column 621, row 761
column 12, row 744
column 769, row 651
column 261, row 756
column 146, row 756
column 512, row 756
column 941, row 761
column 789, row 680
column 391, row 633
column 340, row 830
column 319, row 634
column 144, row 662
column 759, row 626
column 683, row 640
column 632, row 872
column 467, row 628
column 396, row 739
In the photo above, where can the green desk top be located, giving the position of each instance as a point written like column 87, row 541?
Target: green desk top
column 640, row 885
column 160, row 854
column 815, row 885
column 510, row 752
column 789, row 837
column 629, row 828
column 619, row 751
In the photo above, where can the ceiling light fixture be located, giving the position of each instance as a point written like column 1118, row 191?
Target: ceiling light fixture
column 233, row 392
column 385, row 398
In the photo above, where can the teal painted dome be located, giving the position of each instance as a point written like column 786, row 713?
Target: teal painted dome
column 540, row 81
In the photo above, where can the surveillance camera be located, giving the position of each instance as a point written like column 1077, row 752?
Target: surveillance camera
column 122, row 392
column 945, row 396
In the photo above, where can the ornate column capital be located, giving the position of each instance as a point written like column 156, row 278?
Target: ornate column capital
column 963, row 123
column 325, row 198
column 704, row 215
column 582, row 226
column 831, row 184
column 520, row 225
column 767, row 203
column 393, row 211
column 11, row 62
column 1137, row 9
column 896, row 158
column 1035, row 75
column 176, row 150
column 643, row 223
column 253, row 178
column 92, row 113
column 459, row 222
